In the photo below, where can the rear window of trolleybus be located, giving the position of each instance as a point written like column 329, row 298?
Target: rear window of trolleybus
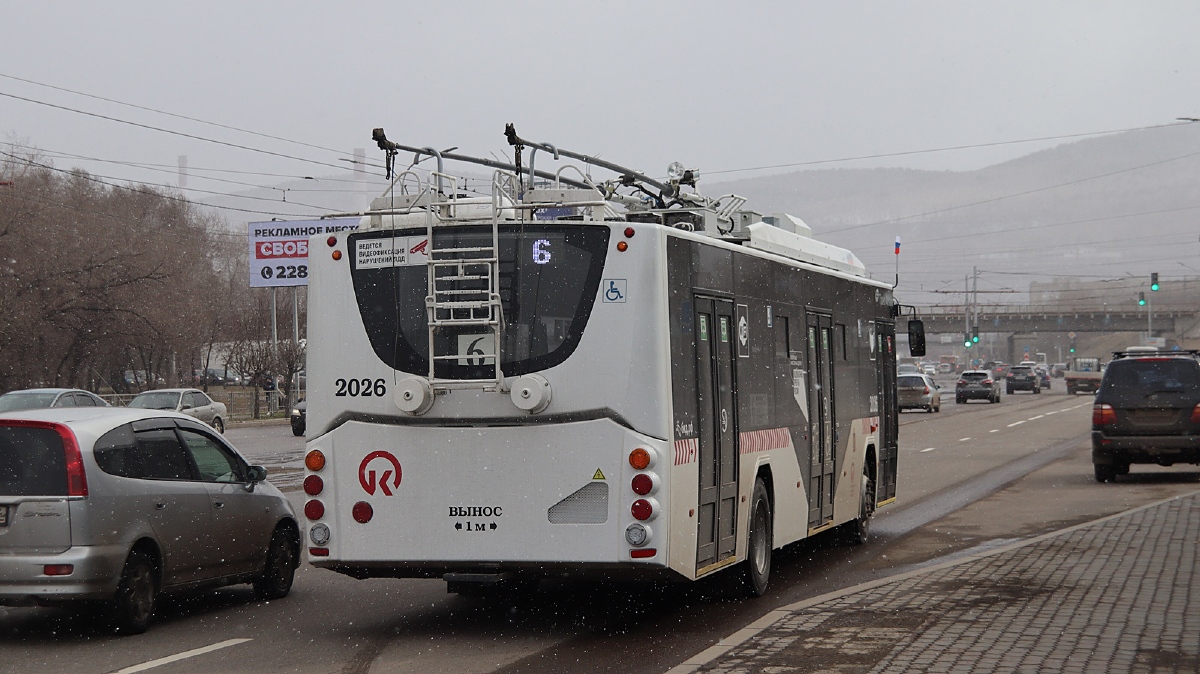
column 549, row 277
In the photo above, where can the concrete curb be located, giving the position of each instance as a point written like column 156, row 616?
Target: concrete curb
column 771, row 618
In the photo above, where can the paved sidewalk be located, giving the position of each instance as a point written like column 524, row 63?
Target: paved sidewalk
column 1121, row 594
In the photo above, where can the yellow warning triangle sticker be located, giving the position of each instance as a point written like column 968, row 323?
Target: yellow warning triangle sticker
column 598, row 475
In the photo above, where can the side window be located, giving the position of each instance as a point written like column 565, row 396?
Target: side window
column 65, row 400
column 189, row 401
column 116, row 453
column 200, row 399
column 162, row 455
column 84, row 400
column 214, row 462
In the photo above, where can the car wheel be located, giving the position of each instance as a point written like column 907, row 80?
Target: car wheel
column 756, row 572
column 132, row 608
column 1105, row 473
column 959, row 401
column 297, row 429
column 1008, row 391
column 219, row 425
column 1037, row 389
column 280, row 569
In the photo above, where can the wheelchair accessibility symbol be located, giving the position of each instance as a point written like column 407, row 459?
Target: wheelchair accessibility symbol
column 614, row 290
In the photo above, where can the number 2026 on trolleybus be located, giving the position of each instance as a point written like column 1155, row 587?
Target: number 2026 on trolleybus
column 570, row 377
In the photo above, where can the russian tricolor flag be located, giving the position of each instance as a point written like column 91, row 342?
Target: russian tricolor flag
column 897, row 245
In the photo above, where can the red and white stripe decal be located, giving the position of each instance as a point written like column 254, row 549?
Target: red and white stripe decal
column 686, row 450
column 764, row 441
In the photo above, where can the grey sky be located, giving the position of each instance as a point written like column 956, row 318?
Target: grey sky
column 640, row 83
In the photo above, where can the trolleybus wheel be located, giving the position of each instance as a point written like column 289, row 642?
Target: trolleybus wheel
column 858, row 531
column 757, row 567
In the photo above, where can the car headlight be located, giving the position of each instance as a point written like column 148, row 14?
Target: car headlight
column 295, row 412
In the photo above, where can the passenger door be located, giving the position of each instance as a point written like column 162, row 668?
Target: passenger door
column 717, row 398
column 889, row 426
column 178, row 504
column 240, row 531
column 822, row 465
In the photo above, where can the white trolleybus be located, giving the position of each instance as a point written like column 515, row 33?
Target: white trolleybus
column 577, row 378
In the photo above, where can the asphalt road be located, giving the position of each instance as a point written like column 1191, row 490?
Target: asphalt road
column 971, row 476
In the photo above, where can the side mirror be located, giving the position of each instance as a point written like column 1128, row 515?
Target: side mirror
column 256, row 474
column 916, row 337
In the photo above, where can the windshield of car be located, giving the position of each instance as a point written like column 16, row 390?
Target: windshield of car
column 11, row 402
column 910, row 382
column 975, row 376
column 1021, row 369
column 155, row 400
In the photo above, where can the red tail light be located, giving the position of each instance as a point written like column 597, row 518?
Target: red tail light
column 963, row 382
column 1103, row 415
column 1196, row 414
column 926, row 390
column 986, row 382
column 362, row 512
column 314, row 510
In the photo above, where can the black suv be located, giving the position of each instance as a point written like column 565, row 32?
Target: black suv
column 1146, row 411
column 1023, row 378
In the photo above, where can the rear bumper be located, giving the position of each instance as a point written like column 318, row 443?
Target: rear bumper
column 1089, row 385
column 1022, row 385
column 650, row 570
column 974, row 394
column 1163, row 449
column 97, row 571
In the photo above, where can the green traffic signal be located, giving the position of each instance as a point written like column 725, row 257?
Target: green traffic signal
column 975, row 339
column 1072, row 349
column 1154, row 281
column 1142, row 299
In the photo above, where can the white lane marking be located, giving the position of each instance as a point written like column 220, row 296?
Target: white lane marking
column 1037, row 417
column 1054, row 412
column 1067, row 409
column 181, row 656
column 963, row 439
column 994, row 430
column 1016, row 423
column 927, row 449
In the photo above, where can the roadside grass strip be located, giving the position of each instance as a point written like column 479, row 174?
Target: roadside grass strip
column 181, row 656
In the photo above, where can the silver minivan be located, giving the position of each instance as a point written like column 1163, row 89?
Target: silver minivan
column 118, row 504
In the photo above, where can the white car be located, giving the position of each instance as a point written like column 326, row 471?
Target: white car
column 928, row 368
column 189, row 401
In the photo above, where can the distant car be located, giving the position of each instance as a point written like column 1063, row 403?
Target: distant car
column 1057, row 370
column 113, row 505
column 1022, row 378
column 299, row 412
column 1146, row 411
column 917, row 392
column 929, row 368
column 46, row 398
column 190, row 401
column 907, row 368
column 946, row 368
column 975, row 385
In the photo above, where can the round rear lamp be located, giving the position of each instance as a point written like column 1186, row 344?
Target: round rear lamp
column 639, row 459
column 319, row 534
column 313, row 485
column 622, row 246
column 629, row 232
column 337, row 255
column 642, row 509
column 642, row 484
column 362, row 512
column 314, row 460
column 314, row 510
column 331, row 241
column 637, row 534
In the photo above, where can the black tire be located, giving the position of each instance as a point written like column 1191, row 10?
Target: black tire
column 280, row 568
column 1037, row 389
column 132, row 609
column 219, row 425
column 960, row 401
column 1123, row 468
column 297, row 429
column 1105, row 473
column 858, row 530
column 756, row 570
column 1008, row 391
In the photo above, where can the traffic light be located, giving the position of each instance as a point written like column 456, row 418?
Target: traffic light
column 1154, row 281
column 1072, row 349
column 967, row 340
column 1142, row 299
column 975, row 336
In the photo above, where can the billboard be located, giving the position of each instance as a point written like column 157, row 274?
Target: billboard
column 279, row 249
